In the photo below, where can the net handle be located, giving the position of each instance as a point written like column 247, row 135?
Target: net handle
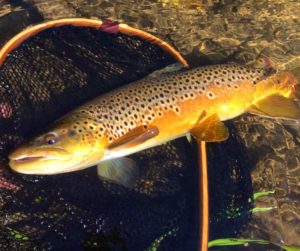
column 15, row 41
column 203, row 195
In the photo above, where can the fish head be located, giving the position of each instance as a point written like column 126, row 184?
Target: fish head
column 65, row 147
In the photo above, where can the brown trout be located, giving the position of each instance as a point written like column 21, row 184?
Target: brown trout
column 153, row 111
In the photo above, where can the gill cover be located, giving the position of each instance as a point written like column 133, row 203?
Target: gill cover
column 59, row 150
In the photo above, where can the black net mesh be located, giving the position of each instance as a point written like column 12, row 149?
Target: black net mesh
column 77, row 210
column 230, row 187
column 62, row 67
column 55, row 71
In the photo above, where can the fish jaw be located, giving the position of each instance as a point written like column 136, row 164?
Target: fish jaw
column 40, row 161
column 71, row 150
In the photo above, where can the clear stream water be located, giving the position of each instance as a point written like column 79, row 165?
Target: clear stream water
column 210, row 32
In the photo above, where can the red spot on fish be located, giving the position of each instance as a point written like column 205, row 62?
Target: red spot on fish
column 110, row 26
column 5, row 110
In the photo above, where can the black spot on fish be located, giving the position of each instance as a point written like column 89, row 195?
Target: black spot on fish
column 71, row 133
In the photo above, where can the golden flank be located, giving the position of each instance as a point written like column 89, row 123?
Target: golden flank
column 153, row 111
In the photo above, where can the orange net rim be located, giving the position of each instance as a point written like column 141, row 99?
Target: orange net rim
column 204, row 197
column 15, row 41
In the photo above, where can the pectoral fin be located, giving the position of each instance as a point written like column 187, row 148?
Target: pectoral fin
column 123, row 171
column 211, row 129
column 135, row 137
column 276, row 106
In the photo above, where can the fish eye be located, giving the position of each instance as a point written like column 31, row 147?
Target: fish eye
column 50, row 139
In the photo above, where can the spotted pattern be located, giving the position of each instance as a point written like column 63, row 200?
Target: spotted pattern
column 140, row 103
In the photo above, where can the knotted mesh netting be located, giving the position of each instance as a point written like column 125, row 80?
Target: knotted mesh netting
column 51, row 73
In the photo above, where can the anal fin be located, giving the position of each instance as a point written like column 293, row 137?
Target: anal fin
column 123, row 171
column 210, row 129
column 276, row 106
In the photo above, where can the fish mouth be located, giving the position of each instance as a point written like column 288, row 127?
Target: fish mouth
column 44, row 164
column 23, row 159
column 29, row 158
column 40, row 162
column 21, row 156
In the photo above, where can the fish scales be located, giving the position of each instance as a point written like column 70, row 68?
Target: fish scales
column 144, row 101
column 153, row 111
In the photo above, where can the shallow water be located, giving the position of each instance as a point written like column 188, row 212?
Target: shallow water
column 209, row 32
